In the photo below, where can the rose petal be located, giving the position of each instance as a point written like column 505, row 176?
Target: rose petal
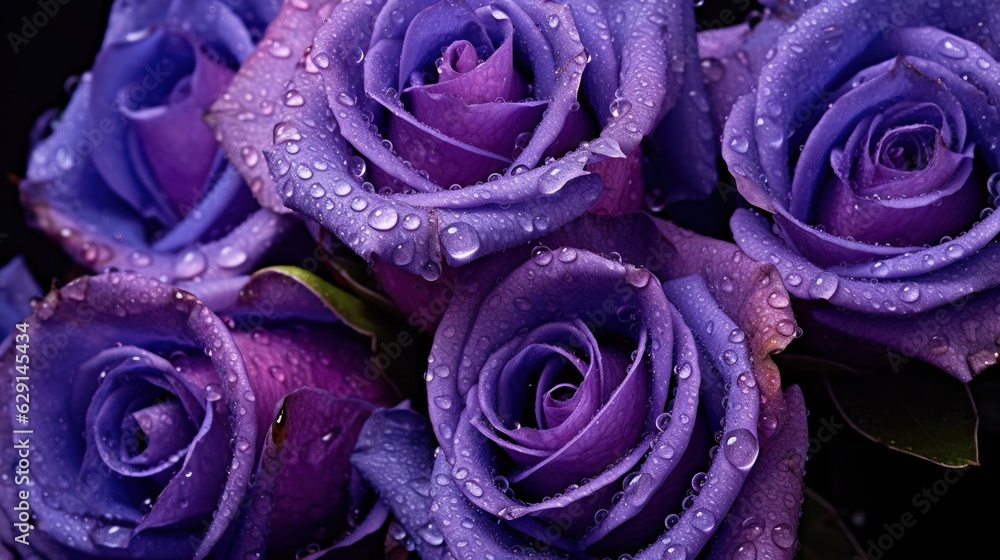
column 759, row 523
column 898, row 295
column 304, row 482
column 177, row 145
column 281, row 358
column 17, row 288
column 407, row 235
column 432, row 29
column 957, row 339
column 96, row 312
column 261, row 77
column 685, row 145
column 221, row 21
column 70, row 200
column 405, row 486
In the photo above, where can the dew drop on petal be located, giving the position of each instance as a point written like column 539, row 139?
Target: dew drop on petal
column 824, row 286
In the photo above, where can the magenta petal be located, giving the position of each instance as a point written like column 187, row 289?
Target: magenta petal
column 304, row 482
column 333, row 358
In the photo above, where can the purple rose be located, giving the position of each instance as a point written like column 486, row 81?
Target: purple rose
column 150, row 415
column 131, row 177
column 583, row 409
column 870, row 135
column 429, row 133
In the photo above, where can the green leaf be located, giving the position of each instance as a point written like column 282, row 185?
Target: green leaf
column 355, row 312
column 822, row 533
column 352, row 272
column 920, row 411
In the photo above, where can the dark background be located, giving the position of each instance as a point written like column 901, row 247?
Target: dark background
column 869, row 484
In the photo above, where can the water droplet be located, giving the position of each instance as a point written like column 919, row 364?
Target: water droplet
column 783, row 536
column 431, row 271
column 683, row 370
column 713, row 69
column 357, row 55
column 740, row 144
column 460, row 240
column 294, row 99
column 740, row 447
column 431, row 535
column 250, row 156
column 316, row 191
column 952, row 48
column 541, row 255
column 231, row 257
column 729, row 357
column 824, row 286
column 279, row 49
column 703, row 520
column 939, row 344
column 745, row 551
column 752, row 527
column 785, row 328
column 286, row 132
column 474, row 489
column 909, row 292
column 726, row 285
column 402, row 255
column 524, row 304
column 793, row 279
column 139, row 259
column 213, row 392
column 674, row 553
column 321, row 60
column 411, row 222
column 552, row 181
column 383, row 219
column 190, row 264
column 662, row 421
column 567, row 254
column 553, row 21
column 736, row 336
column 342, row 188
column 620, row 107
column 778, row 300
column 666, row 451
column 347, row 98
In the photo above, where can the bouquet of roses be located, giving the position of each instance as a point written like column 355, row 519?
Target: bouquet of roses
column 508, row 279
